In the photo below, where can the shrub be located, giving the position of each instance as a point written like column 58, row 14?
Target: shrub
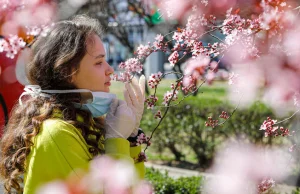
column 184, row 128
column 163, row 184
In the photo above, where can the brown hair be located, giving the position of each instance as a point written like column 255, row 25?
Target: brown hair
column 55, row 58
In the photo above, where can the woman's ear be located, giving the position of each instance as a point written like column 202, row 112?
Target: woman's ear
column 73, row 77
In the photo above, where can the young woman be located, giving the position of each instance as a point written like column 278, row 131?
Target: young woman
column 59, row 126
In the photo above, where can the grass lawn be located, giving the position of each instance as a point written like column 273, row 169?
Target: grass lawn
column 216, row 91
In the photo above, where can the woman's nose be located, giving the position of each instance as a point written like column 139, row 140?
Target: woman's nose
column 110, row 70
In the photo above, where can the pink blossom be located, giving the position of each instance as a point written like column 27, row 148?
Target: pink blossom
column 130, row 66
column 271, row 130
column 158, row 115
column 123, row 77
column 195, row 23
column 269, row 16
column 265, row 185
column 198, row 49
column 211, row 123
column 16, row 42
column 154, row 79
column 3, row 45
column 173, row 58
column 20, row 14
column 133, row 65
column 176, row 46
column 33, row 31
column 12, row 46
column 140, row 139
column 38, row 30
column 143, row 51
column 224, row 115
column 268, row 127
column 159, row 38
column 177, row 36
column 168, row 95
column 151, row 101
column 158, row 44
column 143, row 139
column 142, row 157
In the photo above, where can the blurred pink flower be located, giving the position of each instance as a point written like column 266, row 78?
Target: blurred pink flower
column 195, row 68
column 105, row 175
column 171, row 10
column 58, row 187
column 240, row 168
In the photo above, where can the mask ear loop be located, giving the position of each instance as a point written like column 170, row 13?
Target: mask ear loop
column 35, row 91
column 86, row 96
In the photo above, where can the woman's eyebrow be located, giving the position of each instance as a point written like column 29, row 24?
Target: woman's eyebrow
column 100, row 56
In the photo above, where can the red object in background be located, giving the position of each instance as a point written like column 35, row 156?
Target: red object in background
column 10, row 88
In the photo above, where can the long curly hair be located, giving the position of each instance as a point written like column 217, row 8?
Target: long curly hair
column 55, row 58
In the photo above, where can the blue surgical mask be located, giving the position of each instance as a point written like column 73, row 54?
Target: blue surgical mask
column 100, row 104
column 97, row 103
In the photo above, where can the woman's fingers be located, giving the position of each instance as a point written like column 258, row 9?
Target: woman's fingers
column 137, row 90
column 142, row 86
column 131, row 94
column 113, row 106
column 128, row 99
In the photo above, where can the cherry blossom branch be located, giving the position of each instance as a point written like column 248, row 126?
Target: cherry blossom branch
column 164, row 115
column 217, row 38
column 288, row 117
column 204, row 81
column 209, row 31
column 184, row 96
column 163, row 75
column 170, row 33
column 219, row 124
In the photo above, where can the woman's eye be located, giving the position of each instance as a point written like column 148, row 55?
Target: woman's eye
column 99, row 63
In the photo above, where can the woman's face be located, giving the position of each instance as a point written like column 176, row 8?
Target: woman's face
column 94, row 72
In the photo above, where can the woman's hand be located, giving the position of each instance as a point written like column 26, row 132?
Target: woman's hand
column 120, row 120
column 135, row 98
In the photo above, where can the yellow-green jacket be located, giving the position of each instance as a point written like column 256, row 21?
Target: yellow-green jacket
column 60, row 150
